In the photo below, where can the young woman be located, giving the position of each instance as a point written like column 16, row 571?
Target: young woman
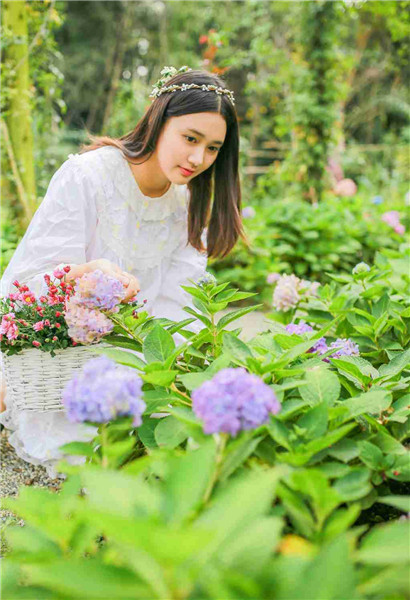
column 147, row 208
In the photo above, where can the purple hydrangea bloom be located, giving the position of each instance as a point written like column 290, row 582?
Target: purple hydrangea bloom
column 234, row 400
column 298, row 328
column 248, row 212
column 98, row 290
column 302, row 327
column 320, row 347
column 344, row 347
column 103, row 391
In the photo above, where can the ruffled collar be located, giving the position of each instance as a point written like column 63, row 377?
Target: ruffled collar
column 150, row 209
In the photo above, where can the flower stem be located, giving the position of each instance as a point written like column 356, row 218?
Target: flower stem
column 221, row 440
column 104, row 440
column 177, row 391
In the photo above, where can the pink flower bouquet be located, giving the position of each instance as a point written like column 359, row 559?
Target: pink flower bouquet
column 66, row 316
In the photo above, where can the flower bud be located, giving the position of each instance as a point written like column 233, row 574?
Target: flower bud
column 361, row 268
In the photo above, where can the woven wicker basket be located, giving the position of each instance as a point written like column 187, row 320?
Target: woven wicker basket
column 35, row 380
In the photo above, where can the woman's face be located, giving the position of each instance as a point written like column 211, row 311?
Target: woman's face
column 190, row 142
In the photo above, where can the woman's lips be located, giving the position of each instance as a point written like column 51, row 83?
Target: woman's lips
column 186, row 172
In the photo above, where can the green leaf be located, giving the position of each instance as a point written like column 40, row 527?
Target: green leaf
column 235, row 314
column 386, row 545
column 345, row 450
column 245, row 499
column 329, row 439
column 123, row 357
column 158, row 345
column 196, row 292
column 198, row 315
column 314, row 421
column 146, row 433
column 279, row 433
column 340, row 520
column 330, row 576
column 400, row 362
column 355, row 485
column 123, row 341
column 78, row 448
column 400, row 502
column 251, row 548
column 351, row 371
column 188, row 479
column 299, row 513
column 373, row 403
column 313, row 483
column 193, row 380
column 162, row 378
column 236, row 454
column 322, row 386
column 235, row 347
column 170, row 432
column 156, row 400
column 86, row 579
column 371, row 455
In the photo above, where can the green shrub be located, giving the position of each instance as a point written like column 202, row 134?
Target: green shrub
column 291, row 236
column 286, row 510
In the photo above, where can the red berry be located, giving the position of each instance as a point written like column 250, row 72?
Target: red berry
column 395, row 473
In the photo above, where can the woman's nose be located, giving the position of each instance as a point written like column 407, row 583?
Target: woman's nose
column 197, row 157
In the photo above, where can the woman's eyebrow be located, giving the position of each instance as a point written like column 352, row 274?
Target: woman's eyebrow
column 202, row 135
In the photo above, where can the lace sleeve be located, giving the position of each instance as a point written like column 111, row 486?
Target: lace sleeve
column 59, row 231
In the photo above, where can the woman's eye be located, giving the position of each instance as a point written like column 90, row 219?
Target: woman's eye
column 189, row 137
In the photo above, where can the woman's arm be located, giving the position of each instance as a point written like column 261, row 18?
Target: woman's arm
column 60, row 233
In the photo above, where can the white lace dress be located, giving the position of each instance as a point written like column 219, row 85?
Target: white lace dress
column 94, row 209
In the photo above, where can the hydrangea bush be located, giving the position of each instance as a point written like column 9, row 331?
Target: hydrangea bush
column 288, row 236
column 272, row 458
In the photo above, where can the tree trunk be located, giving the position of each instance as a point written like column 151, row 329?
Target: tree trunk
column 19, row 117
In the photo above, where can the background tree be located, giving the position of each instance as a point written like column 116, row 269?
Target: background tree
column 16, row 117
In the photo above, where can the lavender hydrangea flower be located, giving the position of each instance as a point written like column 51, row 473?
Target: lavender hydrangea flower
column 98, row 290
column 234, row 400
column 298, row 328
column 206, row 279
column 344, row 347
column 320, row 345
column 248, row 212
column 86, row 325
column 103, row 391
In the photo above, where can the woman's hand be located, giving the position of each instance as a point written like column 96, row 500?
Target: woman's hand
column 130, row 282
